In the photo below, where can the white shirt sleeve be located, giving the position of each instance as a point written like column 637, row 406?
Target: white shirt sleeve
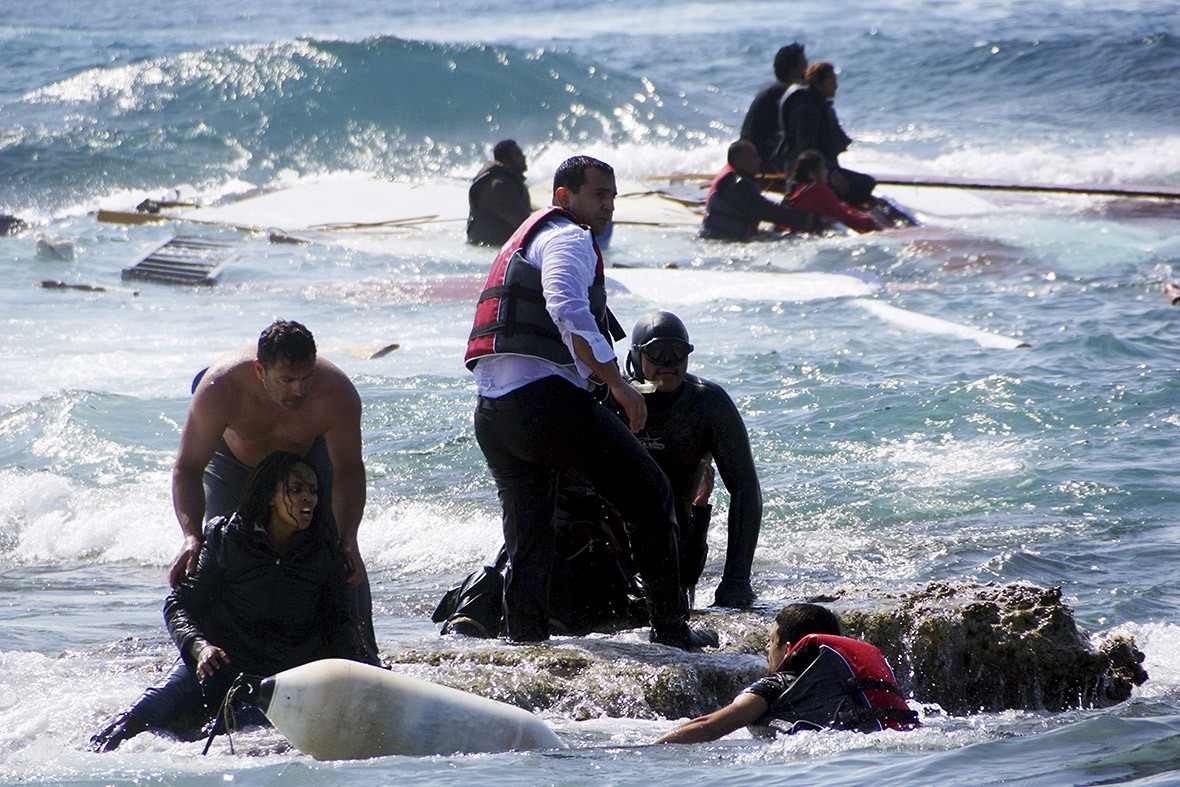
column 565, row 254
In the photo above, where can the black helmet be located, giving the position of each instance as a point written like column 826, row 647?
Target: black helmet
column 662, row 337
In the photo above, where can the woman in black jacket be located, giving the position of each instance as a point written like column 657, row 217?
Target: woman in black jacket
column 268, row 595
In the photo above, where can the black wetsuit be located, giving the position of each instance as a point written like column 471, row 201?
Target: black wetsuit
column 499, row 202
column 700, row 421
column 736, row 205
column 809, row 122
column 761, row 125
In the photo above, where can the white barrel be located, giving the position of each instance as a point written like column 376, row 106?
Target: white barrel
column 336, row 709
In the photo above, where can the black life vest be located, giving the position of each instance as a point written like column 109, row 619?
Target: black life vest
column 511, row 318
column 846, row 684
column 722, row 219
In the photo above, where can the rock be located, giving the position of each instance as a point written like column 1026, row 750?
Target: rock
column 965, row 647
column 11, row 225
column 991, row 647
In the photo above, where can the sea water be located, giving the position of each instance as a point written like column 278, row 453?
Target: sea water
column 888, row 457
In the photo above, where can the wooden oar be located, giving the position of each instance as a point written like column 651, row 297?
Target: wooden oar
column 1134, row 192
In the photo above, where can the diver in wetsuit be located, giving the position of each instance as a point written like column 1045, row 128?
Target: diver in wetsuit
column 691, row 421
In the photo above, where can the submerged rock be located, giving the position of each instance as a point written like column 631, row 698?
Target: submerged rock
column 965, row 647
column 991, row 647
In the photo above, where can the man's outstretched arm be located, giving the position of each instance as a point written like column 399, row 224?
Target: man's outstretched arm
column 746, row 709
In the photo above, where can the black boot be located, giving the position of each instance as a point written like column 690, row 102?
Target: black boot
column 125, row 726
column 685, row 637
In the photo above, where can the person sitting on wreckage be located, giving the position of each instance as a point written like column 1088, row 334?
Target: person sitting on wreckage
column 691, row 423
column 818, row 680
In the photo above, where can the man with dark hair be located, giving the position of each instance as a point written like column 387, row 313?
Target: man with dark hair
column 281, row 397
column 735, row 205
column 498, row 198
column 761, row 125
column 541, row 341
column 809, row 122
column 818, row 679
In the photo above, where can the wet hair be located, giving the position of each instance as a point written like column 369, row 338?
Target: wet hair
column 818, row 72
column 653, row 325
column 503, row 149
column 286, row 340
column 786, row 60
column 806, row 166
column 737, row 148
column 572, row 172
column 268, row 478
column 796, row 621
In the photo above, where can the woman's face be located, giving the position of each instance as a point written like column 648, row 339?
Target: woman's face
column 294, row 502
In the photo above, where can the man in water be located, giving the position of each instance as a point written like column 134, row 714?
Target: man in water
column 281, row 398
column 735, row 204
column 498, row 198
column 809, row 122
column 853, row 688
column 541, row 341
column 761, row 125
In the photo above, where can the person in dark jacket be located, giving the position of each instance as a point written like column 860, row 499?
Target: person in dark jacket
column 809, row 122
column 268, row 594
column 735, row 205
column 498, row 198
column 761, row 125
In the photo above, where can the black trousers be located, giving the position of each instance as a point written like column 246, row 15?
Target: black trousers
column 549, row 427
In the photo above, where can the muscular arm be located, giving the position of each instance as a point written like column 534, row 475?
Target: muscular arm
column 343, row 439
column 745, row 709
column 203, row 428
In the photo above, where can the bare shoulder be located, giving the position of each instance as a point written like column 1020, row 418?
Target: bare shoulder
column 339, row 388
column 333, row 375
column 229, row 376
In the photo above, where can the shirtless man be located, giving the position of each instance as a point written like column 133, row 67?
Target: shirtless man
column 244, row 408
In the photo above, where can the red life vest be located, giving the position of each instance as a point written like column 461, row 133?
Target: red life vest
column 511, row 317
column 843, row 683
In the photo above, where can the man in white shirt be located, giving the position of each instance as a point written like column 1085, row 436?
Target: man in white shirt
column 541, row 342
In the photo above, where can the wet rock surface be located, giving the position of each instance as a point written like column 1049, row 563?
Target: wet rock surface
column 964, row 647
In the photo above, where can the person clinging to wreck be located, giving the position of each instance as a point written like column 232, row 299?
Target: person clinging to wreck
column 498, row 198
column 268, row 594
column 808, row 190
column 818, row 679
column 735, row 205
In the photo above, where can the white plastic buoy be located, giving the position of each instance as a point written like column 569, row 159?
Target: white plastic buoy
column 337, row 709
